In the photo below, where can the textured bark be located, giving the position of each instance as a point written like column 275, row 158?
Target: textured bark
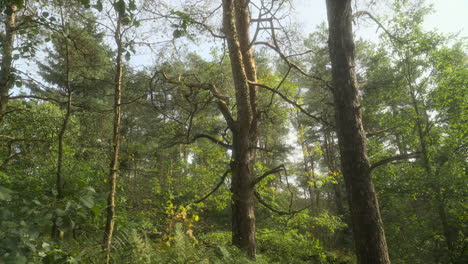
column 371, row 246
column 236, row 21
column 116, row 140
column 8, row 39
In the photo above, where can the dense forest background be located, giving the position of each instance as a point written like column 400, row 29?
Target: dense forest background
column 239, row 140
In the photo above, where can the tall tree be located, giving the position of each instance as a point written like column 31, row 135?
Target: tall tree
column 7, row 44
column 236, row 23
column 116, row 139
column 66, row 119
column 371, row 246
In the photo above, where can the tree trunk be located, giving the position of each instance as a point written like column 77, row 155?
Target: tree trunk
column 59, row 177
column 6, row 78
column 333, row 168
column 236, row 22
column 114, row 164
column 307, row 169
column 371, row 247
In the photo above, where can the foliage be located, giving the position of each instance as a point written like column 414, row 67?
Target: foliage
column 176, row 146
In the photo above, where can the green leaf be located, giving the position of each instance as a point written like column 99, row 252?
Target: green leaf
column 127, row 56
column 85, row 3
column 67, row 224
column 177, row 33
column 98, row 6
column 90, row 189
column 132, row 5
column 60, row 212
column 5, row 194
column 87, row 201
column 120, row 7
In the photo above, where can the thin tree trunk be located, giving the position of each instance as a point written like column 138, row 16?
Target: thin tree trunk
column 307, row 169
column 314, row 180
column 371, row 246
column 8, row 39
column 236, row 21
column 114, row 164
column 59, row 177
column 333, row 168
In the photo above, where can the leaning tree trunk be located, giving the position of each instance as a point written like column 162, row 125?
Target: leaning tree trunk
column 371, row 247
column 114, row 164
column 236, row 21
column 6, row 78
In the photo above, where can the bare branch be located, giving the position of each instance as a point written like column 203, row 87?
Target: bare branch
column 295, row 104
column 365, row 13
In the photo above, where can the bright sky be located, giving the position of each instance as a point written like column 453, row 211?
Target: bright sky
column 450, row 16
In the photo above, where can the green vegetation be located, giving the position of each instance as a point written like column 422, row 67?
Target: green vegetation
column 207, row 172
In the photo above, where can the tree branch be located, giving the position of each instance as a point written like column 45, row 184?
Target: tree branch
column 212, row 139
column 13, row 139
column 205, row 86
column 298, row 106
column 36, row 97
column 221, row 102
column 290, row 63
column 267, row 173
column 365, row 13
column 261, row 201
column 394, row 158
column 215, row 188
column 377, row 132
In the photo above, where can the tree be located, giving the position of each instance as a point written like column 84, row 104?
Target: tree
column 236, row 23
column 407, row 79
column 369, row 236
column 116, row 139
column 69, row 66
column 7, row 46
